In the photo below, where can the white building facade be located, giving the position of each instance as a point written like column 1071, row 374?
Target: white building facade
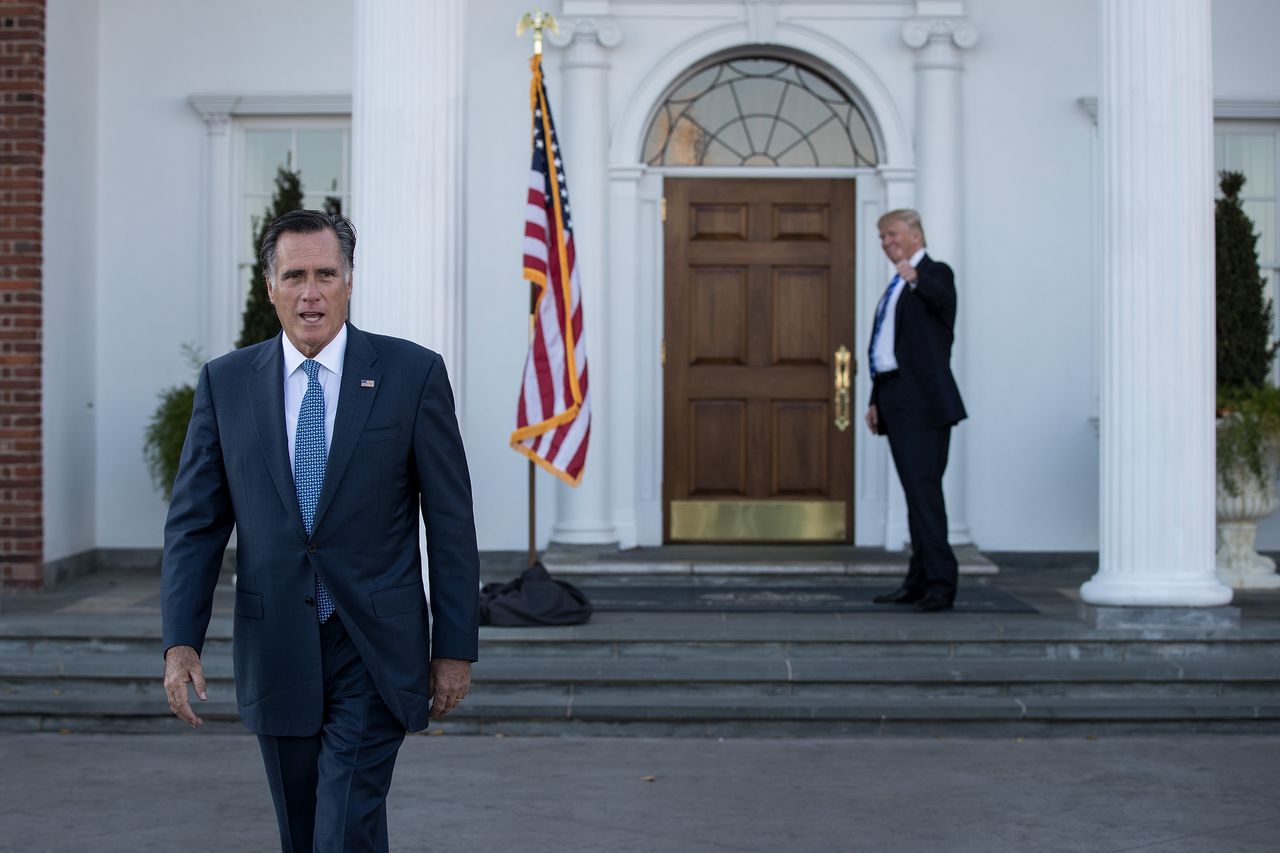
column 165, row 124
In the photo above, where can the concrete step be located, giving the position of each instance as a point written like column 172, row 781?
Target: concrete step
column 721, row 636
column 654, row 712
column 546, row 687
column 672, row 562
column 632, row 669
column 708, row 673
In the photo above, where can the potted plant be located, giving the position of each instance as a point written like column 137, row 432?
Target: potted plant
column 1248, row 404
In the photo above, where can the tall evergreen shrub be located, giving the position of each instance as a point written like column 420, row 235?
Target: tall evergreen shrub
column 1249, row 431
column 259, row 321
column 1245, row 317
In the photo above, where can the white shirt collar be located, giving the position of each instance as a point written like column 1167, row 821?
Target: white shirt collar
column 331, row 356
column 915, row 259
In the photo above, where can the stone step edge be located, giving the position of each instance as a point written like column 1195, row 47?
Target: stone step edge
column 711, row 631
column 711, row 670
column 773, row 708
column 588, row 566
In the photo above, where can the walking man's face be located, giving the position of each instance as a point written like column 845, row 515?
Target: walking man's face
column 311, row 289
column 899, row 240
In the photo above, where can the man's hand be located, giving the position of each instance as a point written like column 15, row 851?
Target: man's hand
column 873, row 420
column 448, row 683
column 907, row 271
column 182, row 664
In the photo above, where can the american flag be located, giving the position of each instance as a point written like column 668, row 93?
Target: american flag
column 553, row 417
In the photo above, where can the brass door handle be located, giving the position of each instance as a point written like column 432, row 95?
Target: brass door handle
column 843, row 363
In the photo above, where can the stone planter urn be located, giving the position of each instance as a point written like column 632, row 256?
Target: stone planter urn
column 1240, row 566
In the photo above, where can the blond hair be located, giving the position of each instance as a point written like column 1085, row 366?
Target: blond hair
column 907, row 217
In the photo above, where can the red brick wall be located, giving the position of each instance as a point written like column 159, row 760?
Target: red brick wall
column 21, row 203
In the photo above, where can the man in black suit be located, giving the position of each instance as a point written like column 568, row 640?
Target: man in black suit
column 915, row 402
column 321, row 446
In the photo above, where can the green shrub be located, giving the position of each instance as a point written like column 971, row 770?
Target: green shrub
column 162, row 441
column 1248, row 436
column 1248, row 405
column 1245, row 317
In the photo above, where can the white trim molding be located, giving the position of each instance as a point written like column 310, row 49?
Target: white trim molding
column 222, row 308
column 215, row 106
column 636, row 260
column 1223, row 108
column 894, row 145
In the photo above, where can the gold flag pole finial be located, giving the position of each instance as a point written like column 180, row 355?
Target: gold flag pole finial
column 537, row 21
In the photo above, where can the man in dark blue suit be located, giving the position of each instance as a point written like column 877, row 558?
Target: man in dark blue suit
column 319, row 447
column 915, row 402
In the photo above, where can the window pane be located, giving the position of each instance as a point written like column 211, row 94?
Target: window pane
column 255, row 209
column 714, row 109
column 265, row 151
column 686, row 144
column 1263, row 214
column 1258, row 162
column 758, row 111
column 658, row 134
column 832, row 144
column 320, row 160
column 1254, row 154
column 696, row 85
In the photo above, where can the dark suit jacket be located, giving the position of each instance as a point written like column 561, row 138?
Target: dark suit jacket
column 924, row 331
column 395, row 445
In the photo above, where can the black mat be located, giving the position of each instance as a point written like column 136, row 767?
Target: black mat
column 972, row 598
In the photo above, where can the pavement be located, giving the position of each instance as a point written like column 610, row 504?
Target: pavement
column 1073, row 790
column 195, row 791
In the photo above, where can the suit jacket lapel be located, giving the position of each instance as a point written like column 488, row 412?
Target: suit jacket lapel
column 266, row 400
column 355, row 401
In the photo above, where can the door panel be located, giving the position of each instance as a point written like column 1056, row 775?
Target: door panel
column 718, row 305
column 718, row 457
column 759, row 296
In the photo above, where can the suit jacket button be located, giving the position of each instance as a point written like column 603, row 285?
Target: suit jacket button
column 311, row 549
column 309, row 601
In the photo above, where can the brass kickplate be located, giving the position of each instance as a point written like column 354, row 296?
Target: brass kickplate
column 759, row 521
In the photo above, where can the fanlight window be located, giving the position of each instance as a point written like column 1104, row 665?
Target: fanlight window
column 759, row 111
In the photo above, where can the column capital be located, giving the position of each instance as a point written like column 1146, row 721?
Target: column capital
column 585, row 30
column 941, row 40
column 215, row 110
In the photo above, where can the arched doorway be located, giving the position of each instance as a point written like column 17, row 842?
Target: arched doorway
column 759, row 301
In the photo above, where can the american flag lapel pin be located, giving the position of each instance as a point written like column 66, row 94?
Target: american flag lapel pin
column 366, row 383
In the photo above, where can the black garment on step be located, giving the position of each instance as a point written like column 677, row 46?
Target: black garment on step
column 534, row 598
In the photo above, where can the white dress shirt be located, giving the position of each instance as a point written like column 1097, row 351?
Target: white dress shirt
column 886, row 358
column 295, row 385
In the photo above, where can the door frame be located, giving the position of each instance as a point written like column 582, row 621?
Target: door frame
column 810, row 517
column 635, row 334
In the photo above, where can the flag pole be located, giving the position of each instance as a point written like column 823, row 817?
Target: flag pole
column 533, row 469
column 537, row 21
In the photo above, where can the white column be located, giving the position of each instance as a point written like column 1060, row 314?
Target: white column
column 1157, row 424
column 940, row 201
column 583, row 514
column 223, row 299
column 626, row 354
column 406, row 174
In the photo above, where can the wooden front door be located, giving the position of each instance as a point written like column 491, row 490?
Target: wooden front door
column 758, row 436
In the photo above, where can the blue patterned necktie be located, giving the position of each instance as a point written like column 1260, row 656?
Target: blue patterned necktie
column 881, row 310
column 309, row 456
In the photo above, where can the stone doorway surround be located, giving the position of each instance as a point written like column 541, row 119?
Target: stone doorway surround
column 635, row 251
